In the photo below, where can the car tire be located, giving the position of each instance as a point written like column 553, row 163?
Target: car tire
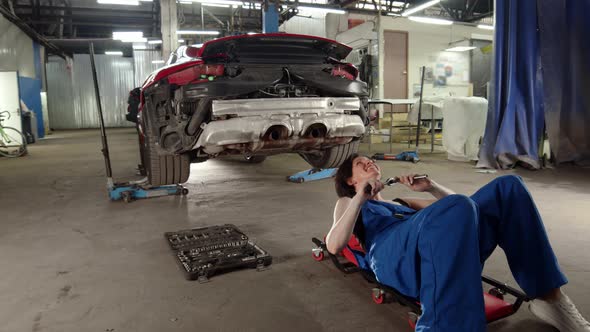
column 254, row 159
column 332, row 157
column 163, row 169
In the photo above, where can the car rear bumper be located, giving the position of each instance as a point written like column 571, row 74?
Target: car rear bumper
column 296, row 124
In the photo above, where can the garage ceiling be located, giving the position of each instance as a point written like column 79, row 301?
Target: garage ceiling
column 70, row 24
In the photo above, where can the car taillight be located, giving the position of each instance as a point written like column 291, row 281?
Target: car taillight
column 196, row 74
column 347, row 71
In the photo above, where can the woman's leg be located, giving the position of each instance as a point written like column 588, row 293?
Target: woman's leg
column 509, row 218
column 450, row 273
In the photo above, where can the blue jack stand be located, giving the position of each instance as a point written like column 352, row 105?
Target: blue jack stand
column 126, row 191
column 312, row 175
column 403, row 156
column 130, row 191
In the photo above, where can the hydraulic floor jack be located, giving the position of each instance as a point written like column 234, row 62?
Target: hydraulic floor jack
column 126, row 191
column 312, row 175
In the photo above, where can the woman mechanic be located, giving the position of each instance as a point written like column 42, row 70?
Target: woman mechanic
column 435, row 250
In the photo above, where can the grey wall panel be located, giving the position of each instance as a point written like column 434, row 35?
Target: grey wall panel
column 71, row 97
column 143, row 64
column 16, row 49
column 60, row 94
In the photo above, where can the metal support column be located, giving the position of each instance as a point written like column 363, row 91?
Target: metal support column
column 270, row 17
column 169, row 26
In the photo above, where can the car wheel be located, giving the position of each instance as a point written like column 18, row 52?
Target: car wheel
column 163, row 169
column 332, row 157
column 254, row 159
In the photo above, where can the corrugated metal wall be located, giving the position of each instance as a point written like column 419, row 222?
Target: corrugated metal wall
column 60, row 93
column 70, row 96
column 306, row 23
column 16, row 50
column 143, row 65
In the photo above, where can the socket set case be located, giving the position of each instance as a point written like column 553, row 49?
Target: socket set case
column 204, row 252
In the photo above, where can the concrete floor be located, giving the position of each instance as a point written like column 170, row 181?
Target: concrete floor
column 73, row 261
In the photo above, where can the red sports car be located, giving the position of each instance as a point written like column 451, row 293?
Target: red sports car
column 251, row 95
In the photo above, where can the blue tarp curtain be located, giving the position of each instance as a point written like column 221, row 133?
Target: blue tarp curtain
column 540, row 74
column 565, row 52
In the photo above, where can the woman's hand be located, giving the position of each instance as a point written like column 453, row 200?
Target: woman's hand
column 368, row 189
column 419, row 185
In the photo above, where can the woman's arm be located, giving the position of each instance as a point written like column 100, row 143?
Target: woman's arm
column 439, row 191
column 425, row 185
column 346, row 213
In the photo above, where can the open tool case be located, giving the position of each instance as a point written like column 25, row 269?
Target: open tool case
column 203, row 252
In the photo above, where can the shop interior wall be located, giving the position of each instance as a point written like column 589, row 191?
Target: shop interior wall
column 426, row 44
column 311, row 23
column 71, row 98
column 18, row 52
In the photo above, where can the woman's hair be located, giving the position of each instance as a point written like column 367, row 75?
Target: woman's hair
column 343, row 189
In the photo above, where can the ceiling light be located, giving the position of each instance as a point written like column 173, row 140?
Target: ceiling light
column 127, row 34
column 393, row 14
column 215, row 5
column 113, row 53
column 430, row 20
column 460, row 48
column 196, row 32
column 197, row 45
column 325, row 10
column 118, row 2
column 252, row 33
column 140, row 47
column 220, row 2
column 134, row 40
column 413, row 10
column 158, row 61
column 486, row 27
column 181, row 40
column 154, row 42
column 186, row 2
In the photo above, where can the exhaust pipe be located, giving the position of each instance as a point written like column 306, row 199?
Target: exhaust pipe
column 276, row 133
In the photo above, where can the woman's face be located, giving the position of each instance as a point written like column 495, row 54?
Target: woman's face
column 364, row 169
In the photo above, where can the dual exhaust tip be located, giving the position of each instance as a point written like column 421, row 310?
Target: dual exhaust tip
column 278, row 132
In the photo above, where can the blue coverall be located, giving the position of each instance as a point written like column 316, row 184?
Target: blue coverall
column 437, row 254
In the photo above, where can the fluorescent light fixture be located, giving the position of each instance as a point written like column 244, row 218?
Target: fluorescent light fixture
column 120, row 35
column 158, row 61
column 186, row 2
column 220, row 2
column 134, row 40
column 486, row 27
column 430, row 20
column 252, row 33
column 325, row 10
column 425, row 5
column 197, row 45
column 181, row 40
column 460, row 48
column 214, row 5
column 129, row 36
column 140, row 47
column 393, row 14
column 153, row 42
column 118, row 2
column 113, row 53
column 196, row 32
